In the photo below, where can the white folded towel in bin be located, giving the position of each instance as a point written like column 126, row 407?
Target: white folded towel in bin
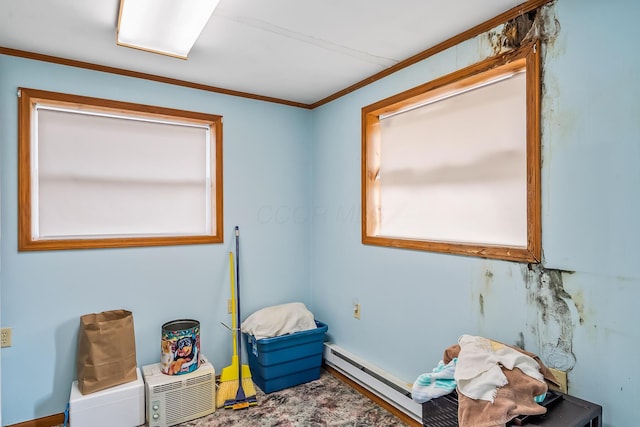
column 279, row 320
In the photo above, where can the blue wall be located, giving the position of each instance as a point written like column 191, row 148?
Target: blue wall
column 266, row 177
column 292, row 183
column 415, row 304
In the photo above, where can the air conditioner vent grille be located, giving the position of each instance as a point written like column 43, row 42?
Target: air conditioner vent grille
column 197, row 380
column 183, row 404
column 167, row 387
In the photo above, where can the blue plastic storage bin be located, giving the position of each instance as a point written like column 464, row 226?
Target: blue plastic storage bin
column 288, row 360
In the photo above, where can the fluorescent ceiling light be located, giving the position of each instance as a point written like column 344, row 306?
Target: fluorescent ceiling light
column 168, row 27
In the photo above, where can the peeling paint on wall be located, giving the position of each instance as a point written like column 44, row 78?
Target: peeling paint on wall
column 557, row 315
column 539, row 24
column 513, row 33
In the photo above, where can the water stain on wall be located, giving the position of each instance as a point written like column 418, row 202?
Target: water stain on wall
column 488, row 279
column 578, row 300
column 547, row 26
column 556, row 312
column 520, row 341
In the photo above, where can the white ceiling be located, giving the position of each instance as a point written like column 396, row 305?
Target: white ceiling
column 296, row 50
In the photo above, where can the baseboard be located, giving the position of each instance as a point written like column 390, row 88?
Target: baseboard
column 50, row 421
column 383, row 384
column 375, row 398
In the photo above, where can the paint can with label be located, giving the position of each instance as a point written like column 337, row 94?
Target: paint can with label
column 180, row 347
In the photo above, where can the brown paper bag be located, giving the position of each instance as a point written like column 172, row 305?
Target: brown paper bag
column 106, row 350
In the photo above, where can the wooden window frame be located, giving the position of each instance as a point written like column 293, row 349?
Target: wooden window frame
column 28, row 98
column 527, row 56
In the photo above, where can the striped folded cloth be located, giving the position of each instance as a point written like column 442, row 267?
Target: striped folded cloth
column 436, row 383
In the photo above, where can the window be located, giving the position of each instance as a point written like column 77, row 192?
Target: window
column 454, row 165
column 97, row 173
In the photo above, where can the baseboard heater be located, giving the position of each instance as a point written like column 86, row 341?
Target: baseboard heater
column 384, row 385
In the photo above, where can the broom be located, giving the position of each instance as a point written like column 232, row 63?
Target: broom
column 235, row 380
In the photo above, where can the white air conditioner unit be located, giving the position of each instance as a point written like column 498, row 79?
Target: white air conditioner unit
column 174, row 399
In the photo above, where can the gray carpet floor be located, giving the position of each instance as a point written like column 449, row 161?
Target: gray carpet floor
column 327, row 401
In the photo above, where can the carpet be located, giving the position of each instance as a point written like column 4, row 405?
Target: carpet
column 327, row 401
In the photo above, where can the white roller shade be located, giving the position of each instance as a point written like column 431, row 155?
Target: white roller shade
column 456, row 169
column 116, row 176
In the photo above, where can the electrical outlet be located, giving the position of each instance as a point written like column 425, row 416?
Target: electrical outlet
column 356, row 311
column 561, row 376
column 229, row 306
column 6, row 337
